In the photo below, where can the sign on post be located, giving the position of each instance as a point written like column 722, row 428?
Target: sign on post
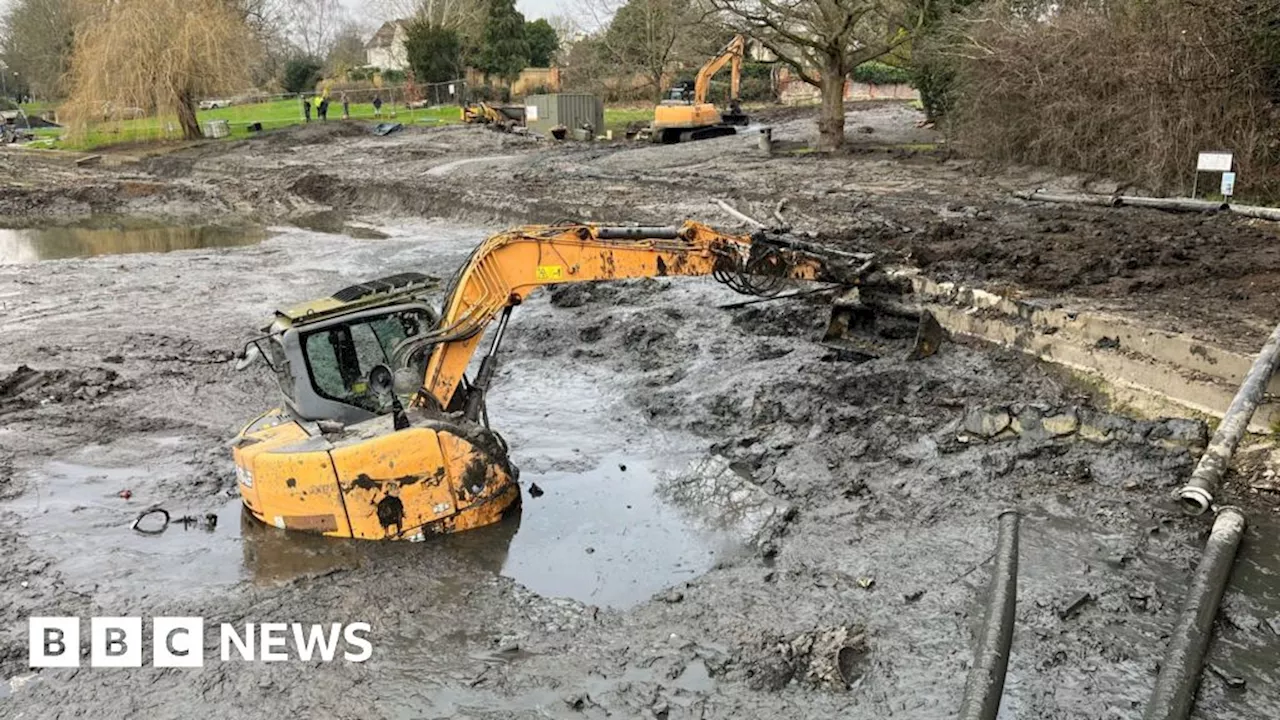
column 1219, row 161
column 1214, row 162
column 1228, row 183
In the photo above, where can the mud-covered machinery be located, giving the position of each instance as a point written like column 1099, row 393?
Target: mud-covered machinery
column 499, row 117
column 382, row 436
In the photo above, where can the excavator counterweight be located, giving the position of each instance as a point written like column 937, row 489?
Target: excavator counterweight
column 382, row 436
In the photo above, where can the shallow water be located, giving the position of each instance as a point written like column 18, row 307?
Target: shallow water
column 114, row 236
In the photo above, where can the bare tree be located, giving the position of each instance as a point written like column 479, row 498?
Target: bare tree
column 643, row 36
column 158, row 55
column 37, row 41
column 314, row 25
column 823, row 40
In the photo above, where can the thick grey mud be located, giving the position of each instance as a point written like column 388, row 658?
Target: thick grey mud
column 733, row 522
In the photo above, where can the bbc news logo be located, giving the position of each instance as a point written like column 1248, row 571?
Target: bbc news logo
column 180, row 642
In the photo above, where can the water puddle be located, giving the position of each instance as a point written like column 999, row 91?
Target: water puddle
column 114, row 236
column 596, row 532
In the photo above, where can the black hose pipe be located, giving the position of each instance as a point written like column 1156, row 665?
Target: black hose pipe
column 985, row 686
column 1175, row 690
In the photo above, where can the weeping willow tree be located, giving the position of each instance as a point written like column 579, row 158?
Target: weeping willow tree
column 157, row 57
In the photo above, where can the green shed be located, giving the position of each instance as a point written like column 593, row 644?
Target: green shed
column 571, row 110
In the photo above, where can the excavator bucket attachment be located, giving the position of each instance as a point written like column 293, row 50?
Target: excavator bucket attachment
column 863, row 328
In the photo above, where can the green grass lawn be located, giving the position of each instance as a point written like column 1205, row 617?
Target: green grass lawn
column 274, row 115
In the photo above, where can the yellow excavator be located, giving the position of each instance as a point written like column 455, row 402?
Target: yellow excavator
column 499, row 117
column 382, row 436
column 686, row 115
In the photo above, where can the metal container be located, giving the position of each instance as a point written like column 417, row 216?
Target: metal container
column 569, row 110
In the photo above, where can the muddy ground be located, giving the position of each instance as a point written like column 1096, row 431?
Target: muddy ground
column 726, row 504
column 897, row 189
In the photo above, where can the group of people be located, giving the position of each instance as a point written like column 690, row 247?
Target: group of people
column 321, row 103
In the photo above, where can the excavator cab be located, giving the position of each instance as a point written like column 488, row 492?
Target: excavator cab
column 322, row 353
column 681, row 92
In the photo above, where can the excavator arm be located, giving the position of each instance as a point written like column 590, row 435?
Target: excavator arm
column 506, row 268
column 732, row 53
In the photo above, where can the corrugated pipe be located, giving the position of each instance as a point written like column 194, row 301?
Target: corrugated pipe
column 1175, row 690
column 985, row 686
column 1197, row 494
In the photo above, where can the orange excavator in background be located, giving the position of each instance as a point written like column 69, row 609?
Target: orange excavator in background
column 686, row 115
column 382, row 436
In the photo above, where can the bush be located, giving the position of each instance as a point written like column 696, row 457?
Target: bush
column 435, row 53
column 301, row 74
column 877, row 73
column 1131, row 92
column 393, row 77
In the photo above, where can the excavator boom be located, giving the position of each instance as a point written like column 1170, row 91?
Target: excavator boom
column 506, row 268
column 732, row 53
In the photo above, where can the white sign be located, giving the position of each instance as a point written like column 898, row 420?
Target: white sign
column 1214, row 162
column 1228, row 183
column 450, row 88
column 530, row 113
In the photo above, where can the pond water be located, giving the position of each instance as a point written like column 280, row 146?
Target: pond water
column 112, row 236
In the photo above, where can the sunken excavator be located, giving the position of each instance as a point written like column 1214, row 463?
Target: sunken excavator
column 381, row 434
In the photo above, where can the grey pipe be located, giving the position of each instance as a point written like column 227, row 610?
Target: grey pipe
column 1185, row 204
column 1105, row 200
column 985, row 686
column 1264, row 213
column 1197, row 494
column 1175, row 690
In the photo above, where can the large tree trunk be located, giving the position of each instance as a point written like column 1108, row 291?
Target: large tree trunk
column 187, row 117
column 831, row 118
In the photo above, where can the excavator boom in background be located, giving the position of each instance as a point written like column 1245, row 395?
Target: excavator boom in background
column 687, row 115
column 382, row 435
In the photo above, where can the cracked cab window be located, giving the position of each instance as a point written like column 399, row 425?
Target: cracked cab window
column 341, row 356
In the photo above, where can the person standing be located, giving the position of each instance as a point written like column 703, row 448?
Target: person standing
column 346, row 107
column 324, row 109
column 306, row 109
column 377, row 105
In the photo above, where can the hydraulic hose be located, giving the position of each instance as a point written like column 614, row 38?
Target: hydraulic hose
column 1175, row 690
column 1197, row 494
column 985, row 686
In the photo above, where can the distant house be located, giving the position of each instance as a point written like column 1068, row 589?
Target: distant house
column 386, row 48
